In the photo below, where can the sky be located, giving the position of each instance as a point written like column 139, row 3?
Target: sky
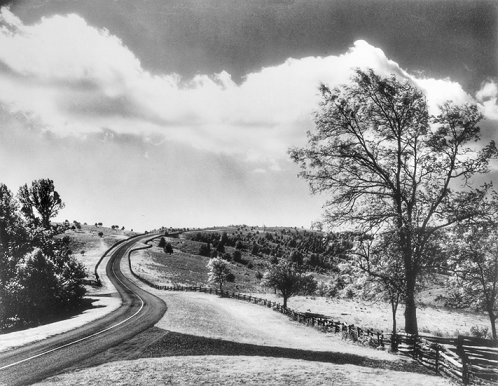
column 181, row 112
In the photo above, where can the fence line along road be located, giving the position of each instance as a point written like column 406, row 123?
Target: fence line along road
column 464, row 359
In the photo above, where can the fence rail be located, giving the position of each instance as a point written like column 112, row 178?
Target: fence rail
column 464, row 359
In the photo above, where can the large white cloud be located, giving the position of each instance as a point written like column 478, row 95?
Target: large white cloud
column 77, row 79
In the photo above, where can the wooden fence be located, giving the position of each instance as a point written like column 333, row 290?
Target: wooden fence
column 464, row 359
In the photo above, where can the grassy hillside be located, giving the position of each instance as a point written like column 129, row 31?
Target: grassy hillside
column 186, row 267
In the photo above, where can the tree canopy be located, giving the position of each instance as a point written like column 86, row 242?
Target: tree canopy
column 40, row 202
column 389, row 166
column 39, row 276
column 288, row 280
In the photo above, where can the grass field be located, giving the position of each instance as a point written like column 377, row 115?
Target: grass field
column 189, row 269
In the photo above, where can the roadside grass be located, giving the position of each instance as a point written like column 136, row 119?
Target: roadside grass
column 235, row 371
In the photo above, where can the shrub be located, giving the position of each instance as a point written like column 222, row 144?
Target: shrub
column 237, row 255
column 259, row 275
column 480, row 332
column 230, row 278
column 168, row 248
column 162, row 243
column 101, row 234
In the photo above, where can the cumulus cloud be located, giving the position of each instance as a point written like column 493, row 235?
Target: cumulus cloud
column 77, row 79
column 488, row 97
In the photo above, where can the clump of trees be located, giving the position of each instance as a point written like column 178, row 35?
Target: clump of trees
column 392, row 168
column 39, row 276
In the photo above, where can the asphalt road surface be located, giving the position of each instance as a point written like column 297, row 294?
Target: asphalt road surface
column 140, row 310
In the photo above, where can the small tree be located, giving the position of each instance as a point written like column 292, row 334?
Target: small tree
column 205, row 250
column 288, row 280
column 237, row 255
column 296, row 257
column 474, row 264
column 168, row 248
column 218, row 272
column 162, row 242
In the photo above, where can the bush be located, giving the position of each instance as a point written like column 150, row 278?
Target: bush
column 162, row 243
column 237, row 255
column 230, row 278
column 259, row 275
column 168, row 248
column 205, row 250
column 101, row 234
column 480, row 332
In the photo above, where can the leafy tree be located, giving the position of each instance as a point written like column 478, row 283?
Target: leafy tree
column 168, row 248
column 288, row 280
column 39, row 277
column 205, row 250
column 220, row 247
column 40, row 202
column 296, row 256
column 237, row 255
column 378, row 258
column 218, row 272
column 390, row 166
column 474, row 264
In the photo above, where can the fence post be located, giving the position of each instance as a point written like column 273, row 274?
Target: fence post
column 394, row 342
column 465, row 365
column 437, row 359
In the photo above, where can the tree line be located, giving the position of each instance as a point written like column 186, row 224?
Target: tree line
column 39, row 276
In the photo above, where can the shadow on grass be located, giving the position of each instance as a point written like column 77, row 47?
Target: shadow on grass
column 176, row 344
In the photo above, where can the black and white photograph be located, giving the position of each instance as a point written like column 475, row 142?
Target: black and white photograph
column 248, row 192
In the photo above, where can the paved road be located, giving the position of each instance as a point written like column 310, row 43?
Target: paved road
column 139, row 311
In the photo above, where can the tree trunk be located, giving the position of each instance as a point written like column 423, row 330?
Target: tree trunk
column 394, row 308
column 285, row 301
column 492, row 318
column 411, row 326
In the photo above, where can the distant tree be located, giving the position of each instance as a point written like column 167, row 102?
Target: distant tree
column 255, row 249
column 40, row 202
column 168, row 248
column 220, row 247
column 237, row 255
column 162, row 242
column 239, row 245
column 288, row 280
column 296, row 256
column 218, row 271
column 391, row 166
column 205, row 250
column 101, row 234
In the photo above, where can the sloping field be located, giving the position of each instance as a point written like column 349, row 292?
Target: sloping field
column 207, row 340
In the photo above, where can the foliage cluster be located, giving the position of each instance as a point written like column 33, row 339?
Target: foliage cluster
column 39, row 276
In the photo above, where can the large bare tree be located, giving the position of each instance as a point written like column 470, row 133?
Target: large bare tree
column 390, row 166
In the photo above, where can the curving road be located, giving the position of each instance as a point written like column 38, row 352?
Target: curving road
column 139, row 311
